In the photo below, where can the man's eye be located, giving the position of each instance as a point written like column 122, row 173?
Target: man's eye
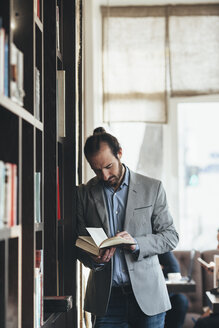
column 109, row 166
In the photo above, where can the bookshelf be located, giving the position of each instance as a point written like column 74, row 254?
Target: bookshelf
column 37, row 160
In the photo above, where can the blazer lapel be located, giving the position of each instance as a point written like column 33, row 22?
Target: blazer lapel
column 99, row 200
column 131, row 200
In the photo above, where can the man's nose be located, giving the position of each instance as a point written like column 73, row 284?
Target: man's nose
column 105, row 175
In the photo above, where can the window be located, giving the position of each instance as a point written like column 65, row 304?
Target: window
column 198, row 151
column 151, row 52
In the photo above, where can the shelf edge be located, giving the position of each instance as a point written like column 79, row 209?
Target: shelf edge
column 10, row 105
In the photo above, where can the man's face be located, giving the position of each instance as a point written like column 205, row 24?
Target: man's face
column 107, row 167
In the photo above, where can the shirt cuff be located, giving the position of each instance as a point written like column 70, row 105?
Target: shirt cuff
column 97, row 266
column 136, row 250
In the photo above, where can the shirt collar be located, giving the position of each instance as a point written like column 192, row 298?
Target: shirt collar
column 126, row 177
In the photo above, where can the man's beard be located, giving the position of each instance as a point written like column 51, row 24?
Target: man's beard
column 114, row 180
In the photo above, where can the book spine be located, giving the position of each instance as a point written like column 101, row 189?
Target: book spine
column 15, row 194
column 2, row 193
column 39, row 288
column 37, row 197
column 6, row 67
column 7, row 203
column 17, row 75
column 37, row 93
column 2, row 55
column 57, row 29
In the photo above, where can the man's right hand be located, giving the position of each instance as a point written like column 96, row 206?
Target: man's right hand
column 105, row 256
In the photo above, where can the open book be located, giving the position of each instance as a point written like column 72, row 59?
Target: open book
column 209, row 266
column 98, row 240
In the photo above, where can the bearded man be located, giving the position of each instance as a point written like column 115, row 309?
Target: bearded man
column 126, row 286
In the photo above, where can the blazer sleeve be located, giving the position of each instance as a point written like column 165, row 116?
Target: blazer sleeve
column 81, row 255
column 164, row 237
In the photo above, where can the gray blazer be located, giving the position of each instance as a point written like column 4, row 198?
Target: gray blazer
column 148, row 220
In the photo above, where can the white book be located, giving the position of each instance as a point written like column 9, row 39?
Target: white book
column 37, row 93
column 14, row 195
column 20, row 65
column 17, row 75
column 35, row 7
column 8, row 194
column 57, row 28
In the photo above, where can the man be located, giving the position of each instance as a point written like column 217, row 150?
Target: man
column 126, row 286
column 176, row 316
column 208, row 319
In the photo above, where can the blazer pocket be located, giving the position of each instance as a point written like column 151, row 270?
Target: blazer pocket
column 142, row 207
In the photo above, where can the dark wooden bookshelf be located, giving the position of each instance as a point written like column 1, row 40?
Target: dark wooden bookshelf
column 29, row 138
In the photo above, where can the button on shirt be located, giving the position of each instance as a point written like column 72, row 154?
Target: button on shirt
column 116, row 206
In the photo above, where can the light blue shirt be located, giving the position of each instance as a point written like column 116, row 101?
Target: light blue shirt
column 116, row 206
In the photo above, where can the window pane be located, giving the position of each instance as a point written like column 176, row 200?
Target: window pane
column 198, row 174
column 194, row 54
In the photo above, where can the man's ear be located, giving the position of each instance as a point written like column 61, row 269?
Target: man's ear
column 119, row 154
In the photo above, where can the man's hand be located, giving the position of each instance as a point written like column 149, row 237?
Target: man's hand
column 104, row 256
column 126, row 235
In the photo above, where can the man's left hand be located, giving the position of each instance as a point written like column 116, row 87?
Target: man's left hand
column 126, row 235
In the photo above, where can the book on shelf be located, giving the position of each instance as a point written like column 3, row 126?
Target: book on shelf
column 61, row 103
column 37, row 197
column 2, row 193
column 3, row 61
column 38, row 294
column 8, row 194
column 98, row 240
column 54, row 304
column 37, row 93
column 57, row 28
column 17, row 75
column 6, row 85
column 2, row 58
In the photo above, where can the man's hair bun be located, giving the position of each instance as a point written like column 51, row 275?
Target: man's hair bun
column 99, row 136
column 99, row 130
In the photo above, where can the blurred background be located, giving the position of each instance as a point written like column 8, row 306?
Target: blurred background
column 151, row 78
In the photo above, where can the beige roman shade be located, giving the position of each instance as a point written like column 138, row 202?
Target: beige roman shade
column 150, row 52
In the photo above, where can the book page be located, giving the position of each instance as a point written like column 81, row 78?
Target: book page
column 88, row 240
column 115, row 241
column 97, row 234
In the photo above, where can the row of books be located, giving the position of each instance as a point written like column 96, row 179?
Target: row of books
column 38, row 294
column 16, row 68
column 8, row 194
